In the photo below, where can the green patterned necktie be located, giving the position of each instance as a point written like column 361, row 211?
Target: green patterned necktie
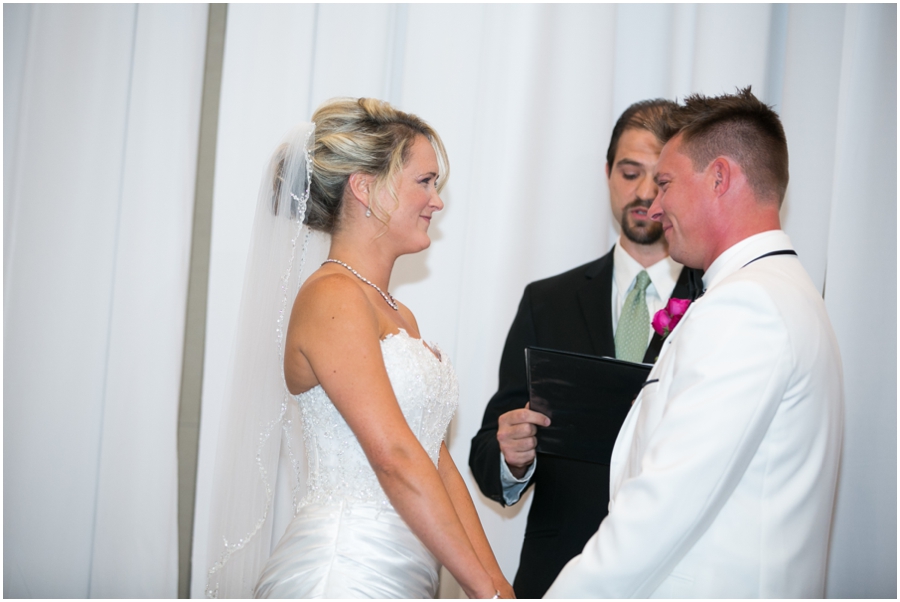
column 634, row 322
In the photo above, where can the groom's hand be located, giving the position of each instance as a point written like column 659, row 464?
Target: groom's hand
column 516, row 434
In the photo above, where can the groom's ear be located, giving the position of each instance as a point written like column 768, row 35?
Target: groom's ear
column 720, row 173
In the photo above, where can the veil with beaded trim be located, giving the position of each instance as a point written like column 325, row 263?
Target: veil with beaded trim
column 260, row 463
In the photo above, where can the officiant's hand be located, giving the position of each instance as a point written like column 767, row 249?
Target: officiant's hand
column 517, row 435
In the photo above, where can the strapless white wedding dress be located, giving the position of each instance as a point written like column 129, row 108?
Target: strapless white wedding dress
column 347, row 541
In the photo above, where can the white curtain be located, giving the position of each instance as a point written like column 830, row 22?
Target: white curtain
column 524, row 96
column 100, row 121
column 861, row 295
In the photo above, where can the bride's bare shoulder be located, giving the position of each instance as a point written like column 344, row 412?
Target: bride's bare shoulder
column 331, row 320
column 334, row 297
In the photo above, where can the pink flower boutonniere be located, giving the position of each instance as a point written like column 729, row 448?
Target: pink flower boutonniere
column 666, row 319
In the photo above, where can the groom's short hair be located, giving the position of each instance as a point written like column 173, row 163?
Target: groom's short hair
column 738, row 126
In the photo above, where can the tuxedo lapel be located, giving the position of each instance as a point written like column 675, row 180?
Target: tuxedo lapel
column 685, row 288
column 595, row 297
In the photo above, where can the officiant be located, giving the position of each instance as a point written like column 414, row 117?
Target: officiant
column 601, row 308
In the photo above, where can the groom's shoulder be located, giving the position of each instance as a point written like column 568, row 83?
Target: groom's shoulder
column 573, row 279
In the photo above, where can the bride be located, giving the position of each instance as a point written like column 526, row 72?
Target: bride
column 385, row 504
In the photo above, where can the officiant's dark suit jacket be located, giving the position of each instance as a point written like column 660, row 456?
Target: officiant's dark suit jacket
column 569, row 312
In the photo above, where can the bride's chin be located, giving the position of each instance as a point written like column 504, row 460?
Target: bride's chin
column 413, row 244
column 421, row 244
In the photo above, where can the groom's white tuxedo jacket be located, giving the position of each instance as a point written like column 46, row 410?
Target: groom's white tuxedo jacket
column 723, row 476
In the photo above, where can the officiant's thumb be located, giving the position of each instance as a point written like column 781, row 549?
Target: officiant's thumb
column 544, row 416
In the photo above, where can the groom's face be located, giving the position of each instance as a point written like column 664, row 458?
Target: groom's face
column 682, row 207
column 631, row 186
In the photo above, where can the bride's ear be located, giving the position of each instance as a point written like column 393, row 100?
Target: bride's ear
column 359, row 185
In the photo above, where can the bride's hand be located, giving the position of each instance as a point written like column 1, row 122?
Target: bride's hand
column 477, row 585
column 505, row 589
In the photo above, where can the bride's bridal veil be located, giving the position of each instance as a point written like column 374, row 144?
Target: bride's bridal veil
column 260, row 464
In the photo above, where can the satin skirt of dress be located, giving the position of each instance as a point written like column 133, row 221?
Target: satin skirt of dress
column 349, row 551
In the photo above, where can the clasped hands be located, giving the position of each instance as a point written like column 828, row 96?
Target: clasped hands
column 517, row 435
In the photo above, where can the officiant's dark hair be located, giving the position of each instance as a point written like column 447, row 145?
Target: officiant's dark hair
column 639, row 116
column 738, row 126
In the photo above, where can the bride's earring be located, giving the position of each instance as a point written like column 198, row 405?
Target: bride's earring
column 368, row 212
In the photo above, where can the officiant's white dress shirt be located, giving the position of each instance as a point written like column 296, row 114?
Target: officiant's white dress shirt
column 723, row 476
column 663, row 277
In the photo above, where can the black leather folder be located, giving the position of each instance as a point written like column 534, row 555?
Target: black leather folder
column 586, row 398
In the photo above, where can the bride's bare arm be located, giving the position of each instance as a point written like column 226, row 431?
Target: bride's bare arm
column 465, row 509
column 337, row 331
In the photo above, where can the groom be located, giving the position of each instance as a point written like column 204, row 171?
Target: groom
column 723, row 476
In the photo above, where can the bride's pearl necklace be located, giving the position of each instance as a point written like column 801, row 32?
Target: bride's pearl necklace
column 387, row 296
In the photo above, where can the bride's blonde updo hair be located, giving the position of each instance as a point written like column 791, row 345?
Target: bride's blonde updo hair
column 362, row 136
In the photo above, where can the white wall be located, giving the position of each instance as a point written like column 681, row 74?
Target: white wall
column 107, row 97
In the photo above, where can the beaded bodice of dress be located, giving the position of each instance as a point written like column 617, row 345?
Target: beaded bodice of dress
column 427, row 391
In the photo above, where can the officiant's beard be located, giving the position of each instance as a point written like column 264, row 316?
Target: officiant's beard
column 645, row 232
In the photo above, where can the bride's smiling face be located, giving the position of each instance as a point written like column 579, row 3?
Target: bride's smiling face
column 417, row 199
